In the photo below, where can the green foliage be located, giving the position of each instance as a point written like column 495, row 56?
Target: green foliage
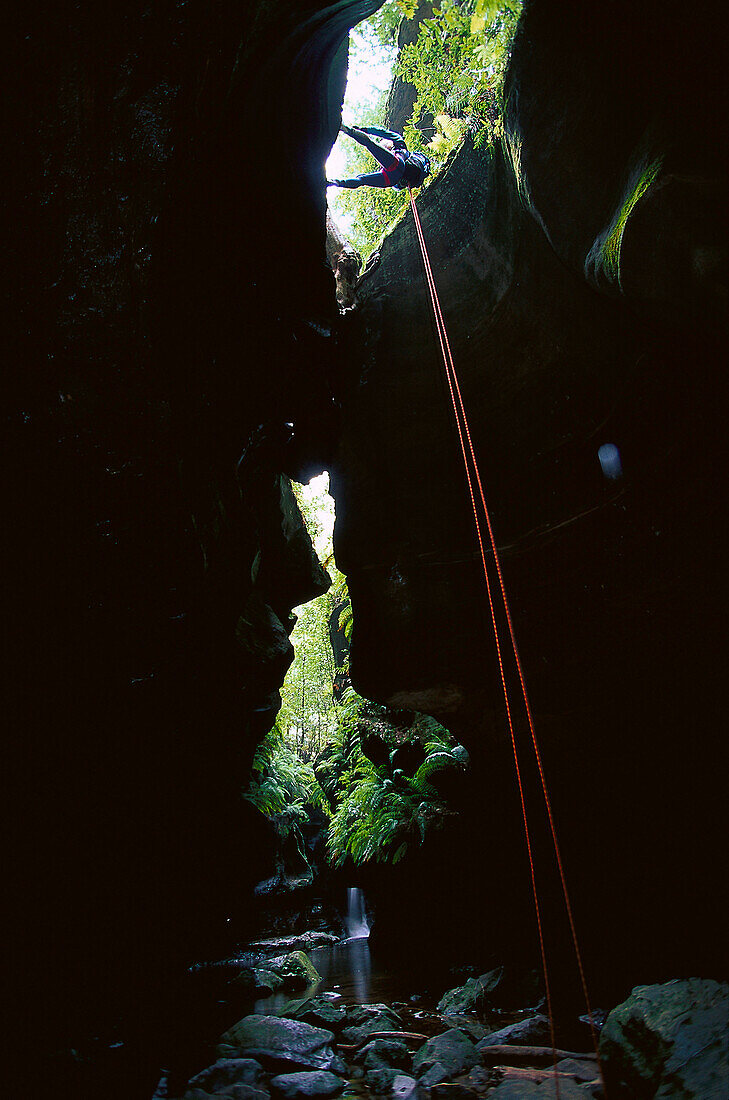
column 381, row 28
column 282, row 784
column 341, row 753
column 343, row 607
column 457, row 66
column 379, row 817
column 346, row 620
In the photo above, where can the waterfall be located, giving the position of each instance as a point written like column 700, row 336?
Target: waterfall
column 356, row 920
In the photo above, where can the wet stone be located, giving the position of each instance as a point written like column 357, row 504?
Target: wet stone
column 322, row 1012
column 436, row 1075
column 454, row 1050
column 580, row 1071
column 404, row 1087
column 385, row 1054
column 380, row 1081
column 370, row 1027
column 298, row 1086
column 545, row 1090
column 670, row 1040
column 230, row 1092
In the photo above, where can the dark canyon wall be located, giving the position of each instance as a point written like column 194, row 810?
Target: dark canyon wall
column 165, row 180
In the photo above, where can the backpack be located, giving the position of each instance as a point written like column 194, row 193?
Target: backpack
column 416, row 168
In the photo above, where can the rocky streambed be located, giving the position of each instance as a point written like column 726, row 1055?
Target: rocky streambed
column 668, row 1040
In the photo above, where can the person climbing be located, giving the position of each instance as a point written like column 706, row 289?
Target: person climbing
column 400, row 168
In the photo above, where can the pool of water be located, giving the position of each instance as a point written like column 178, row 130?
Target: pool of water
column 352, row 970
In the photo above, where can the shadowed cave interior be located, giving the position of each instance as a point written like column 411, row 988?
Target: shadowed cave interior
column 169, row 292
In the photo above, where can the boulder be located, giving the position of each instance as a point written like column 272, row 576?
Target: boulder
column 670, row 1040
column 225, row 1072
column 381, row 1080
column 531, row 1032
column 358, row 1014
column 265, row 981
column 312, row 1083
column 280, row 1043
column 521, row 1088
column 452, row 1049
column 468, row 1024
column 579, row 1070
column 385, row 1053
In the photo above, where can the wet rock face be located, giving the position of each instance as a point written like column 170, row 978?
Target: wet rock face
column 608, row 577
column 584, row 133
column 669, row 1040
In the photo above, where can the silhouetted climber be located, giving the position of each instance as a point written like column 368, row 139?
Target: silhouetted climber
column 400, row 168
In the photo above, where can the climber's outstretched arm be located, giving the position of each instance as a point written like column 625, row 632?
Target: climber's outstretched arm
column 377, row 131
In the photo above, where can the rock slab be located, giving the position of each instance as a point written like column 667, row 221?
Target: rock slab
column 226, row 1072
column 366, row 1020
column 531, row 1032
column 280, row 1043
column 472, row 996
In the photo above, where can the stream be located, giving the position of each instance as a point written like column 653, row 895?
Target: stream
column 350, row 968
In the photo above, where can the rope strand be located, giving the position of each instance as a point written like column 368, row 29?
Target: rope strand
column 450, row 376
column 469, row 451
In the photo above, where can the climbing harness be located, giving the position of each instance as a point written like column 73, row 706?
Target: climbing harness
column 473, row 474
column 394, row 173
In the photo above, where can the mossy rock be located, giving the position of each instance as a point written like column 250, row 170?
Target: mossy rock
column 296, row 970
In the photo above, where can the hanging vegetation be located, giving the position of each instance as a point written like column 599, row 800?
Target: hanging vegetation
column 457, row 67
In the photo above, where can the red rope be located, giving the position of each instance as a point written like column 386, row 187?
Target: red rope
column 463, row 428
